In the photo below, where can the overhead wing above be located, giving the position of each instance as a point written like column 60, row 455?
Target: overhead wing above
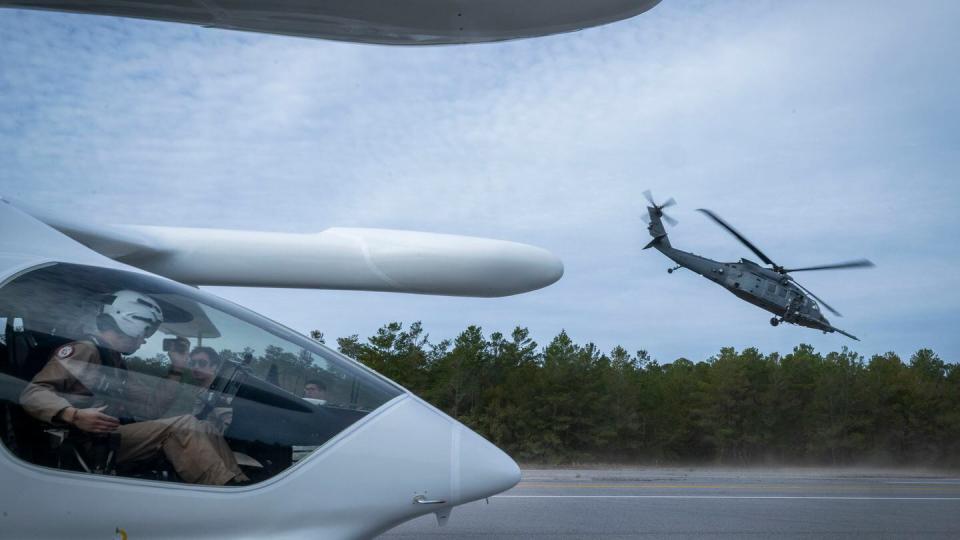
column 391, row 22
column 336, row 258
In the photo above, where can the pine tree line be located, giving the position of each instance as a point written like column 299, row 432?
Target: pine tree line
column 573, row 403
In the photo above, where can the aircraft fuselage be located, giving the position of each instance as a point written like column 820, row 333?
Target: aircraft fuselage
column 755, row 284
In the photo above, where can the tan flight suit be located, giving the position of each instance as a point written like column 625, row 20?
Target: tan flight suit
column 76, row 376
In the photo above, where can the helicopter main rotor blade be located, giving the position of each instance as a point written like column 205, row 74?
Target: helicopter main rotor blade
column 668, row 219
column 739, row 236
column 817, row 298
column 670, row 202
column 859, row 263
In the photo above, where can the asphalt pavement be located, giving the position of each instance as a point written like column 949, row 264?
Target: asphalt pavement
column 681, row 503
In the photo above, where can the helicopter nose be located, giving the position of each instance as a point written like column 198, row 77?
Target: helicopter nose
column 484, row 468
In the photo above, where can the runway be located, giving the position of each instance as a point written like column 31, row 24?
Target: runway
column 681, row 503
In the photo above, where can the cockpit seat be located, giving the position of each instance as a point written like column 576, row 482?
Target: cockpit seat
column 27, row 352
column 80, row 451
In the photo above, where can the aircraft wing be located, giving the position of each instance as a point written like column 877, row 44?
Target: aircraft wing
column 336, row 258
column 26, row 242
column 392, row 22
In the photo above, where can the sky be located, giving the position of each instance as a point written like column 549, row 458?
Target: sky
column 823, row 131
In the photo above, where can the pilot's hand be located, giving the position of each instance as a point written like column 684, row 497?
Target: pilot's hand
column 94, row 420
column 177, row 358
column 223, row 417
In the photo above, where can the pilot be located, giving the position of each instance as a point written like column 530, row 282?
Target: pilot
column 86, row 384
column 315, row 389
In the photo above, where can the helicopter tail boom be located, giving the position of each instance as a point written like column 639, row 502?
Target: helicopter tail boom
column 656, row 241
column 656, row 229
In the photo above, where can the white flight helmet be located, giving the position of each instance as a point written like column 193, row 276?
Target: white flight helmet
column 135, row 314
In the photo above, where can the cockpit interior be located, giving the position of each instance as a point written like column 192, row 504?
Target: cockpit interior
column 275, row 396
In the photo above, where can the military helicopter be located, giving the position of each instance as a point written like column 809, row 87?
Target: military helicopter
column 772, row 289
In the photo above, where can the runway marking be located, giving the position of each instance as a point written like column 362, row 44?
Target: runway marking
column 926, row 482
column 806, row 497
column 903, row 486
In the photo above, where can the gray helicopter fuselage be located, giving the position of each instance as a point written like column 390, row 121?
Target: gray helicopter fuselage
column 760, row 286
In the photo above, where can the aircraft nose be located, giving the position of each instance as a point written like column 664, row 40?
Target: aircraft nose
column 485, row 470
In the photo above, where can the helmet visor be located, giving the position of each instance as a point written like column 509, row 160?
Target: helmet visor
column 151, row 317
column 150, row 326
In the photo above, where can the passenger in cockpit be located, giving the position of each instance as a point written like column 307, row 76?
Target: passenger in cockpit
column 315, row 389
column 86, row 385
column 204, row 363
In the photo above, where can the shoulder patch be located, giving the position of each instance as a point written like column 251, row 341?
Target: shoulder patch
column 65, row 351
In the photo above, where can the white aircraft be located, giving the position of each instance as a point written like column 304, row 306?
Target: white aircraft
column 301, row 442
column 367, row 457
column 390, row 22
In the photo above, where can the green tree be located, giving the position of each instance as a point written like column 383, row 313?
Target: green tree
column 568, row 402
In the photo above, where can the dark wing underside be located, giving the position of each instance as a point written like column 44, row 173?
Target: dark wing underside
column 389, row 22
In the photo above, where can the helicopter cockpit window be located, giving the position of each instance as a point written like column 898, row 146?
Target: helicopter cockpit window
column 111, row 372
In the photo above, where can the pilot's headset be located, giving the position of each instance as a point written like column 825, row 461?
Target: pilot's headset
column 133, row 313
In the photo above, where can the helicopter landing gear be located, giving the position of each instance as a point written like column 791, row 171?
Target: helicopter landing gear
column 677, row 267
column 774, row 321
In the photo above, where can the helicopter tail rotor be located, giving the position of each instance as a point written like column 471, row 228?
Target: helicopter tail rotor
column 655, row 218
column 656, row 210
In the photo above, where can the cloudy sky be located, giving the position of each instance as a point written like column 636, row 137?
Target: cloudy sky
column 824, row 131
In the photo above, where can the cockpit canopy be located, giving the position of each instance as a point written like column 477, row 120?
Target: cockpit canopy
column 261, row 376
